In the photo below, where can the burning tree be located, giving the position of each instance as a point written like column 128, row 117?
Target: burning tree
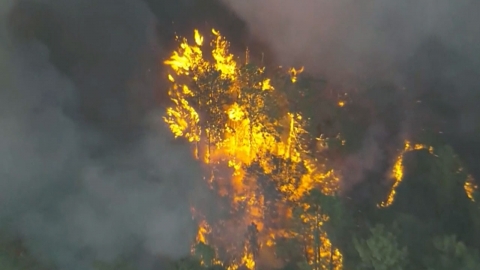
column 453, row 164
column 239, row 119
column 246, row 124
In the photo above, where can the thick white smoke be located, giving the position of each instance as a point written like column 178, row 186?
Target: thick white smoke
column 67, row 196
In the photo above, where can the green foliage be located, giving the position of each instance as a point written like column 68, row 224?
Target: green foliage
column 446, row 172
column 311, row 223
column 340, row 225
column 332, row 207
column 190, row 263
column 381, row 251
column 415, row 234
column 452, row 254
column 205, row 253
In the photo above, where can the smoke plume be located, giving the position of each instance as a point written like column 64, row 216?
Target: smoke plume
column 88, row 171
column 428, row 50
column 354, row 37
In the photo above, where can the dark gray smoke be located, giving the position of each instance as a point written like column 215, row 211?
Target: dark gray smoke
column 357, row 37
column 87, row 169
column 427, row 50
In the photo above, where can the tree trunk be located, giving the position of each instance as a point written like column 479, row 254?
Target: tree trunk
column 331, row 256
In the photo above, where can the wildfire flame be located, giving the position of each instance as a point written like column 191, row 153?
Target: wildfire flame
column 398, row 168
column 229, row 111
column 397, row 171
column 237, row 117
column 470, row 187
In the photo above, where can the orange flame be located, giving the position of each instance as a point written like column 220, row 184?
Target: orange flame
column 219, row 106
column 398, row 168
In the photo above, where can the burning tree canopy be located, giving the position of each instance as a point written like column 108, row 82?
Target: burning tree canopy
column 237, row 116
column 272, row 169
column 244, row 124
column 279, row 179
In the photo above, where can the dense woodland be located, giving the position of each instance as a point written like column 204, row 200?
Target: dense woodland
column 431, row 221
column 409, row 202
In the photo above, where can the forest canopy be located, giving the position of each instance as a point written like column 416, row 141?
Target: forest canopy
column 302, row 176
column 283, row 186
